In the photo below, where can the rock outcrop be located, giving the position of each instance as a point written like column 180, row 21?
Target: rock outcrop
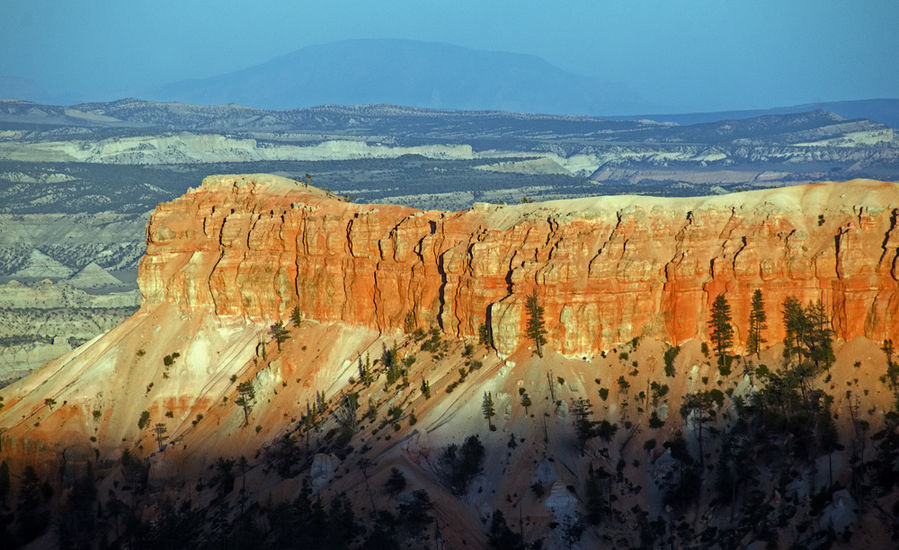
column 605, row 269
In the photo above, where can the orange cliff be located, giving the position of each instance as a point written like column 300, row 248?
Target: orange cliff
column 605, row 269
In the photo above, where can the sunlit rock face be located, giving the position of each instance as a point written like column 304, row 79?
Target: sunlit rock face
column 605, row 269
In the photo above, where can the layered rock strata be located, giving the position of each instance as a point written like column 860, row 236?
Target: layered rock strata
column 605, row 269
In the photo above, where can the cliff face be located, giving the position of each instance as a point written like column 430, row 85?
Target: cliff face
column 605, row 269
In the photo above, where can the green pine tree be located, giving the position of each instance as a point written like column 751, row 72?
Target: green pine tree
column 757, row 324
column 488, row 409
column 280, row 333
column 535, row 330
column 525, row 402
column 246, row 394
column 722, row 331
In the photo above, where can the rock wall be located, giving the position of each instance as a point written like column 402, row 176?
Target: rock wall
column 605, row 269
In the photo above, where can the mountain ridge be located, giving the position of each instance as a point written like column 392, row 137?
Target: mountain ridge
column 427, row 74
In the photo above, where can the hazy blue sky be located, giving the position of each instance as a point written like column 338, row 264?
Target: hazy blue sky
column 681, row 55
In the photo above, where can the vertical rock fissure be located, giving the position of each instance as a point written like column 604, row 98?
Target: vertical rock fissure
column 376, row 290
column 209, row 284
column 894, row 219
column 737, row 253
column 441, row 292
column 836, row 251
column 605, row 244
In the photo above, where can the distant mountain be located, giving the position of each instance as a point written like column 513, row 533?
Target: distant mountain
column 885, row 111
column 407, row 72
column 12, row 86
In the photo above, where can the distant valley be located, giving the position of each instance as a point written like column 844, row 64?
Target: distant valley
column 77, row 182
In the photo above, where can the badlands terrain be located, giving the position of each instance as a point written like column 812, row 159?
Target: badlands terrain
column 310, row 372
column 77, row 183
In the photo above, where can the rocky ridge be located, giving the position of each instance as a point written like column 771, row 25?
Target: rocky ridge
column 606, row 269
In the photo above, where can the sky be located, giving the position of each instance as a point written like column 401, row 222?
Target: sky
column 680, row 55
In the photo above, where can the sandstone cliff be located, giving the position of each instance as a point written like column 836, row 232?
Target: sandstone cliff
column 606, row 269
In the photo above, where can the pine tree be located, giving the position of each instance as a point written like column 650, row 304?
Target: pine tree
column 705, row 404
column 795, row 327
column 485, row 335
column 488, row 409
column 246, row 395
column 722, row 331
column 365, row 374
column 584, row 425
column 820, row 336
column 536, row 331
column 295, row 316
column 160, row 430
column 280, row 333
column 525, row 402
column 757, row 324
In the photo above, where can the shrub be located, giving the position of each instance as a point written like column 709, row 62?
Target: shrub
column 606, row 430
column 670, row 355
column 461, row 464
column 144, row 420
column 395, row 483
column 724, row 366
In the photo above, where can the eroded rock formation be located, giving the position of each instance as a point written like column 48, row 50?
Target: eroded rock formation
column 605, row 269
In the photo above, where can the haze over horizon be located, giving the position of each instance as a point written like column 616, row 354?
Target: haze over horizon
column 692, row 56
